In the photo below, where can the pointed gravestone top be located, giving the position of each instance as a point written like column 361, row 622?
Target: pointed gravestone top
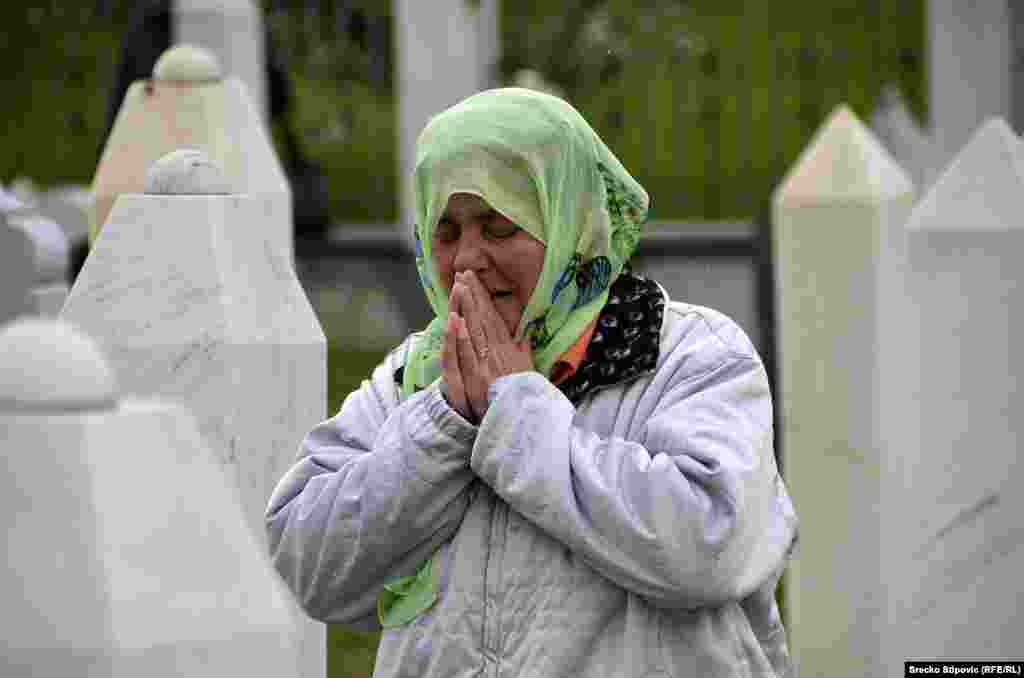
column 981, row 188
column 49, row 366
column 186, row 171
column 892, row 106
column 908, row 142
column 188, row 63
column 157, row 117
column 843, row 162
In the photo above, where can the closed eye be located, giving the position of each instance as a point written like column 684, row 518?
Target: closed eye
column 495, row 225
column 500, row 227
column 447, row 230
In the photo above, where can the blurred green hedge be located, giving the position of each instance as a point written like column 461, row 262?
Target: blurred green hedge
column 707, row 102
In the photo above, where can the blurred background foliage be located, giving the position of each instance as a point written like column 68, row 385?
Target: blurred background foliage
column 707, row 102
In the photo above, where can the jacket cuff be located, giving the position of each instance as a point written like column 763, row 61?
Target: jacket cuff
column 436, row 440
column 512, row 381
column 444, row 416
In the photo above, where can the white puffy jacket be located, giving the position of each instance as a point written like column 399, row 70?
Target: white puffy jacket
column 639, row 533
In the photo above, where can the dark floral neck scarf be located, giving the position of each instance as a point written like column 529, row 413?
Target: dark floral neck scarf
column 626, row 339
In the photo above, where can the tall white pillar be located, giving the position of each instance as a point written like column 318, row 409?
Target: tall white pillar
column 192, row 300
column 125, row 552
column 838, row 218
column 969, row 67
column 233, row 30
column 960, row 594
column 447, row 50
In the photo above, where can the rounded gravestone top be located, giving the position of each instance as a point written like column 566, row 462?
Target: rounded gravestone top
column 49, row 366
column 188, row 63
column 186, row 171
column 10, row 203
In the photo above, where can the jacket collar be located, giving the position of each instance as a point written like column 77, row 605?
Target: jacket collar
column 626, row 340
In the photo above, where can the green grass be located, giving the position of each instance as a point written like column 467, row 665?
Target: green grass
column 350, row 654
column 346, row 370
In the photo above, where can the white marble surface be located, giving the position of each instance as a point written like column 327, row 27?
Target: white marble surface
column 442, row 36
column 192, row 302
column 221, row 119
column 48, row 300
column 51, row 366
column 17, row 272
column 838, row 218
column 186, row 171
column 126, row 553
column 188, row 62
column 231, row 29
column 961, row 592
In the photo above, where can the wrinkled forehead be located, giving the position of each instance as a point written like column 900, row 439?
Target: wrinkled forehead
column 478, row 182
column 466, row 206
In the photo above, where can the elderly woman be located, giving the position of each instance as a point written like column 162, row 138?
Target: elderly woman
column 565, row 474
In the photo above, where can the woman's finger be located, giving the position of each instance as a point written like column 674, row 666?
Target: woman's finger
column 470, row 365
column 451, row 369
column 492, row 325
column 475, row 317
column 482, row 307
column 467, row 352
column 463, row 292
column 455, row 296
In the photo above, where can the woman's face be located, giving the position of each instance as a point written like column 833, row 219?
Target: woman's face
column 471, row 236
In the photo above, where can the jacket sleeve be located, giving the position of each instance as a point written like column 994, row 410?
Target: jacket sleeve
column 375, row 491
column 692, row 514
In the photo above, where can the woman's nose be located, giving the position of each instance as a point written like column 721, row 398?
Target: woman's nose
column 471, row 252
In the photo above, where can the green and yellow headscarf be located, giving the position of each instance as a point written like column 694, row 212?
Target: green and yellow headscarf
column 532, row 157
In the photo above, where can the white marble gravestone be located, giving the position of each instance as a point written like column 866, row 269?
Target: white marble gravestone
column 50, row 254
column 70, row 206
column 837, row 230
column 961, row 592
column 125, row 552
column 17, row 272
column 191, row 300
column 911, row 146
column 233, row 31
column 970, row 67
column 446, row 50
column 189, row 103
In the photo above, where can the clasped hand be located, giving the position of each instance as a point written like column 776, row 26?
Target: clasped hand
column 477, row 347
